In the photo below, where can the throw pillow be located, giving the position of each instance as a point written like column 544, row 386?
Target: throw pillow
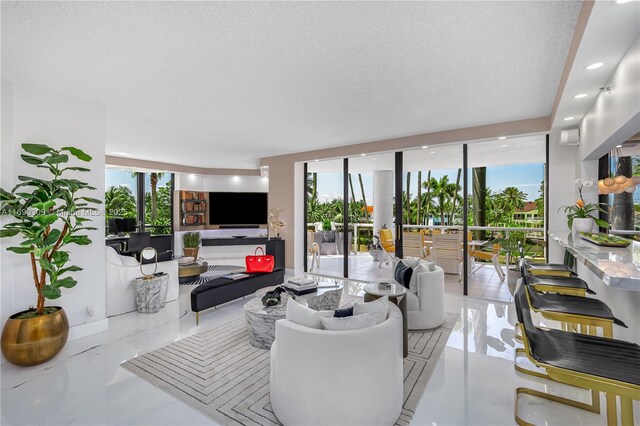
column 403, row 274
column 304, row 316
column 432, row 266
column 342, row 313
column 411, row 262
column 354, row 322
column 379, row 308
column 413, row 284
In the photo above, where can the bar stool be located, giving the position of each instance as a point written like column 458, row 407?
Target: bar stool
column 548, row 269
column 555, row 284
column 588, row 362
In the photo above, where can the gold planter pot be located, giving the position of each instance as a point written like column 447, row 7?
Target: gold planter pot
column 33, row 341
column 191, row 252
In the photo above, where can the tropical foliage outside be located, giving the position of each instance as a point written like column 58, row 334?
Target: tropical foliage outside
column 121, row 202
column 433, row 202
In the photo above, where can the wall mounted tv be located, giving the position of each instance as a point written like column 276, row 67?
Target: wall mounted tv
column 237, row 208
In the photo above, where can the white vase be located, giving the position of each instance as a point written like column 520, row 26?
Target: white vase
column 582, row 224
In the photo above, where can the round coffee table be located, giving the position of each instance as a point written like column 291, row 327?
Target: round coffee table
column 261, row 320
column 398, row 296
column 191, row 271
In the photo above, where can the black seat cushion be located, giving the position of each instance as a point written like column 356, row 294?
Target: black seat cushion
column 575, row 305
column 568, row 282
column 596, row 356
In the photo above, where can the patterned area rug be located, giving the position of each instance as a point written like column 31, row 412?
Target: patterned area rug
column 215, row 271
column 221, row 375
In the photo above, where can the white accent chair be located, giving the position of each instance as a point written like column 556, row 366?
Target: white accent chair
column 121, row 270
column 322, row 377
column 425, row 309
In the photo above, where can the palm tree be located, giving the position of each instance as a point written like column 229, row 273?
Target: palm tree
column 441, row 192
column 364, row 200
column 513, row 197
column 154, row 177
column 408, row 202
column 426, row 204
column 419, row 198
column 456, row 196
column 479, row 187
column 119, row 201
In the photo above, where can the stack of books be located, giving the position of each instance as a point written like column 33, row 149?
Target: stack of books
column 301, row 285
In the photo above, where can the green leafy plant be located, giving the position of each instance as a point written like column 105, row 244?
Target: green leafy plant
column 48, row 217
column 191, row 239
column 326, row 225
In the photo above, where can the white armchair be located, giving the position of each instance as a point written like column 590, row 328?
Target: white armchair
column 429, row 311
column 322, row 377
column 121, row 270
column 425, row 307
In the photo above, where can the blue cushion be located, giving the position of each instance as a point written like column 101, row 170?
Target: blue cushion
column 341, row 313
column 402, row 274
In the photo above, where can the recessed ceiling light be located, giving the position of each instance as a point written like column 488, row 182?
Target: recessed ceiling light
column 622, row 1
column 501, row 138
column 569, row 118
column 432, row 152
column 580, row 96
column 363, row 155
column 618, row 146
column 425, row 147
column 594, row 66
column 316, row 160
column 504, row 146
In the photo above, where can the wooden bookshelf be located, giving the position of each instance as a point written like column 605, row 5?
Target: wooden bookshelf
column 193, row 209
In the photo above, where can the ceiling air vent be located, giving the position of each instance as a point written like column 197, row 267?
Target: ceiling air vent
column 570, row 137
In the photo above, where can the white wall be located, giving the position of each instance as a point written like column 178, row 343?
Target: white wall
column 221, row 183
column 30, row 115
column 614, row 117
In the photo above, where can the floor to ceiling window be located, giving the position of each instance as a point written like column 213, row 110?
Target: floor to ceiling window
column 324, row 214
column 506, row 209
column 411, row 198
column 158, row 192
column 120, row 199
column 145, row 197
column 620, row 188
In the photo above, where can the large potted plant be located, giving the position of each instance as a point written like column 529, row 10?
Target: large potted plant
column 48, row 217
column 191, row 244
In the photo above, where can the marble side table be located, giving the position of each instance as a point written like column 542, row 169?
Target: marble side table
column 151, row 293
column 261, row 320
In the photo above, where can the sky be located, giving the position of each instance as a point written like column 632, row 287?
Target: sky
column 526, row 177
column 118, row 177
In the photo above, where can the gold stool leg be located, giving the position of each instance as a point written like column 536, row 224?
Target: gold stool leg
column 626, row 405
column 612, row 413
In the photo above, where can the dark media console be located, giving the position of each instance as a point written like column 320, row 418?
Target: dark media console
column 274, row 247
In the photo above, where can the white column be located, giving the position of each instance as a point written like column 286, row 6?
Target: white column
column 383, row 200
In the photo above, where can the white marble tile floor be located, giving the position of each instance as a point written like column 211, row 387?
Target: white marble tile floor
column 473, row 383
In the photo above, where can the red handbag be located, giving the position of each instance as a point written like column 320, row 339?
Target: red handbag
column 263, row 263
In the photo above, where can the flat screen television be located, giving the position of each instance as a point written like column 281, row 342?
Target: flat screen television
column 237, row 208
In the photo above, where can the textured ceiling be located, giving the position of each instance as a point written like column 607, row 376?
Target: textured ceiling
column 222, row 84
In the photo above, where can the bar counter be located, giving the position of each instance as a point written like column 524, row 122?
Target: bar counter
column 616, row 267
column 612, row 272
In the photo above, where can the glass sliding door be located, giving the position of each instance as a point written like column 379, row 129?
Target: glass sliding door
column 120, row 195
column 506, row 208
column 324, row 221
column 433, row 205
column 158, row 202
